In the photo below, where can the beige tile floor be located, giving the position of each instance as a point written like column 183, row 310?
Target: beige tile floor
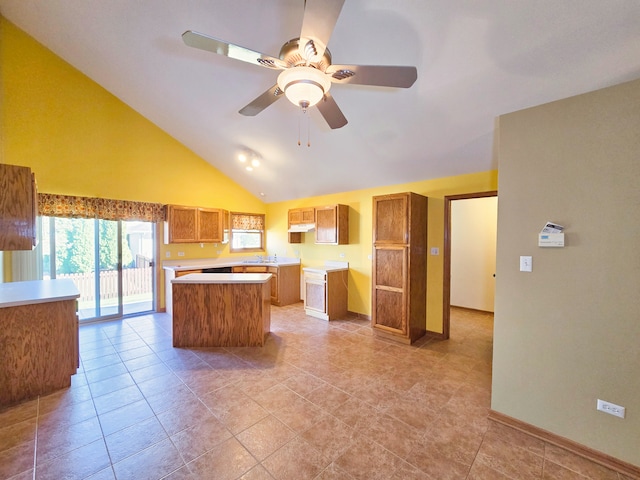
column 319, row 401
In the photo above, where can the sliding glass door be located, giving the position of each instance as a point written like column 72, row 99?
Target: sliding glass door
column 111, row 263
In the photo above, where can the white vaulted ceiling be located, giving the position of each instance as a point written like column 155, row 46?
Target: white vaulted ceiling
column 476, row 59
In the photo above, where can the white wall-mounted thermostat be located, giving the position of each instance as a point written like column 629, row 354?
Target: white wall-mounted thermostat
column 551, row 235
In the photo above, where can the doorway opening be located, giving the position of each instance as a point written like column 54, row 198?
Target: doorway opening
column 110, row 262
column 448, row 231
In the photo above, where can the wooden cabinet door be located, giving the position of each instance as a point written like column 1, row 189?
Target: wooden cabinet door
column 308, row 215
column 295, row 216
column 389, row 290
column 326, row 225
column 390, row 219
column 332, row 224
column 182, row 223
column 210, row 225
column 274, row 288
column 315, row 287
column 18, row 208
column 302, row 215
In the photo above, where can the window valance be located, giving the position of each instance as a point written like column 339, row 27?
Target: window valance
column 68, row 206
column 247, row 221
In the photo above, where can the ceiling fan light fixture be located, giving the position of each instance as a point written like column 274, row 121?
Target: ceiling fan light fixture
column 304, row 86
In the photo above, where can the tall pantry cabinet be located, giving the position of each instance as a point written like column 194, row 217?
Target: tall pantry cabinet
column 399, row 308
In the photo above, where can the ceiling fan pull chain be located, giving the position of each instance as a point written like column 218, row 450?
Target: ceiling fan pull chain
column 299, row 130
column 308, row 131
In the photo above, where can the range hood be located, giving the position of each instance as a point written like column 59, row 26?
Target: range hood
column 302, row 227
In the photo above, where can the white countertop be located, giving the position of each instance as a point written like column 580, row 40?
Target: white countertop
column 198, row 263
column 14, row 294
column 323, row 269
column 328, row 267
column 223, row 278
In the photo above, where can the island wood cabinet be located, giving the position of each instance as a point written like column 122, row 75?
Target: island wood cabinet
column 194, row 225
column 38, row 339
column 326, row 293
column 285, row 281
column 332, row 224
column 18, row 208
column 399, row 266
column 225, row 312
column 169, row 275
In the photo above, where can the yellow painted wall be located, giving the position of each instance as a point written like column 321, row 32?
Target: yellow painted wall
column 360, row 235
column 81, row 140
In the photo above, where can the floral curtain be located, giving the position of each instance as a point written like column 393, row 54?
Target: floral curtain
column 52, row 205
column 247, row 221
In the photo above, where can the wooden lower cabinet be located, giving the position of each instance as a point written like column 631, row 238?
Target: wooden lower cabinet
column 169, row 275
column 221, row 314
column 285, row 281
column 326, row 294
column 39, row 350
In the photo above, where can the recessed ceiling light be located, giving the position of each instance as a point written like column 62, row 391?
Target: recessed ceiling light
column 242, row 157
column 255, row 162
column 249, row 168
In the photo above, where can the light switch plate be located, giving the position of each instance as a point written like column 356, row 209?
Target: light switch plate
column 526, row 263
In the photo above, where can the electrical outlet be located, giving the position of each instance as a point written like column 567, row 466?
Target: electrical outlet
column 435, row 251
column 181, row 254
column 167, row 254
column 610, row 408
column 341, row 255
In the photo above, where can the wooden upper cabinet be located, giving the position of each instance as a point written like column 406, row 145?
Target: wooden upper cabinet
column 18, row 208
column 194, row 225
column 332, row 224
column 210, row 225
column 299, row 216
column 182, row 224
column 390, row 216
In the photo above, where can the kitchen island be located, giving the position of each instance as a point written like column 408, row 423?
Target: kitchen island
column 38, row 338
column 221, row 309
column 285, row 280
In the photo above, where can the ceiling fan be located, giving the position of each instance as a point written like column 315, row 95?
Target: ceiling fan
column 307, row 72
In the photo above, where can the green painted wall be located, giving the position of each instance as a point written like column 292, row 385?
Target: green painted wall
column 567, row 333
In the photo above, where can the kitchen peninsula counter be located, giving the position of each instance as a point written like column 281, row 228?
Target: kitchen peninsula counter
column 221, row 309
column 285, row 281
column 39, row 338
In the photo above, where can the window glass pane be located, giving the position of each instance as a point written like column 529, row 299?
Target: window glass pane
column 247, row 231
column 246, row 239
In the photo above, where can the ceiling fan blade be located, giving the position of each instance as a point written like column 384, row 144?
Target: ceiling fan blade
column 378, row 75
column 205, row 42
column 262, row 102
column 331, row 112
column 320, row 17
